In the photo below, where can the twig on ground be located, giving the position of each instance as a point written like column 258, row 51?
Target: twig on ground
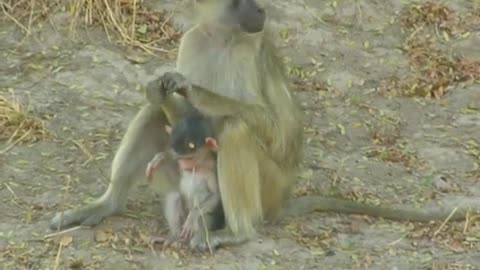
column 445, row 222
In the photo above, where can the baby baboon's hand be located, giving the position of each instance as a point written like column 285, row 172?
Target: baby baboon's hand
column 153, row 165
column 188, row 228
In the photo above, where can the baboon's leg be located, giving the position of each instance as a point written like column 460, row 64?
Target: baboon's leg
column 174, row 213
column 145, row 137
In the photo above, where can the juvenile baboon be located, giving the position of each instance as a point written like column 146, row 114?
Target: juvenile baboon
column 227, row 67
column 196, row 205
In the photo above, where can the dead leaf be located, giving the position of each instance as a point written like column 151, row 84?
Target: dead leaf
column 101, row 236
column 66, row 240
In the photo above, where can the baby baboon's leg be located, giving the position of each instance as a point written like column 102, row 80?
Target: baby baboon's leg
column 175, row 215
column 174, row 212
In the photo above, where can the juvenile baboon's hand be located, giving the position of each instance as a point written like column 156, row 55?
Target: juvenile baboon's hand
column 153, row 165
column 188, row 228
column 174, row 82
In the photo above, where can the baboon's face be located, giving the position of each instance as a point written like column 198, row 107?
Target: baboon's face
column 244, row 15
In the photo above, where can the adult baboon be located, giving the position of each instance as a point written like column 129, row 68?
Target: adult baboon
column 227, row 67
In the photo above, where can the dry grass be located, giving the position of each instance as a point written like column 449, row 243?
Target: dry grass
column 434, row 70
column 135, row 24
column 431, row 14
column 126, row 21
column 26, row 12
column 17, row 125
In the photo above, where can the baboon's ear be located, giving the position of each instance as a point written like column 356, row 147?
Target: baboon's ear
column 211, row 143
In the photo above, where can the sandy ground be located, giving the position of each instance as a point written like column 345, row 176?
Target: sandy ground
column 361, row 142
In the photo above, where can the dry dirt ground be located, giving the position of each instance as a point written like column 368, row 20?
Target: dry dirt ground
column 366, row 139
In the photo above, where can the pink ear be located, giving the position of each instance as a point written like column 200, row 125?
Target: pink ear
column 168, row 129
column 211, row 143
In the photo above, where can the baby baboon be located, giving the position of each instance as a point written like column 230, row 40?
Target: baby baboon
column 196, row 206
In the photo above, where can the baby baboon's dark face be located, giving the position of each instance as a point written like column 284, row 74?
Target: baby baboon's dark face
column 190, row 134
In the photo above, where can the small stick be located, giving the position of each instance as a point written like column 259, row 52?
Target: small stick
column 57, row 259
column 11, row 190
column 395, row 242
column 467, row 221
column 84, row 150
column 445, row 222
column 134, row 18
column 162, row 27
column 309, row 10
column 64, row 231
column 15, row 142
column 15, row 20
column 31, row 15
column 15, row 133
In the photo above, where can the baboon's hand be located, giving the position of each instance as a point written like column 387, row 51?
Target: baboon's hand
column 188, row 227
column 169, row 83
column 154, row 92
column 174, row 82
column 153, row 165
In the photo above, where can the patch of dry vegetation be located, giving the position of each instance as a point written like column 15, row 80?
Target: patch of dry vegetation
column 434, row 69
column 25, row 13
column 456, row 236
column 17, row 125
column 129, row 21
column 388, row 148
column 310, row 238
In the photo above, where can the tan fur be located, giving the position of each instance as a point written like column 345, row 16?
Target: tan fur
column 238, row 178
column 240, row 76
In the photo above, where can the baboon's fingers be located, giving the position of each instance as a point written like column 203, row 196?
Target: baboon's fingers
column 175, row 82
column 187, row 230
column 154, row 93
column 186, row 234
column 151, row 168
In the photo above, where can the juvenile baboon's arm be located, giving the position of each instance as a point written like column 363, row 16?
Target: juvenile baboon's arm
column 308, row 204
column 209, row 204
